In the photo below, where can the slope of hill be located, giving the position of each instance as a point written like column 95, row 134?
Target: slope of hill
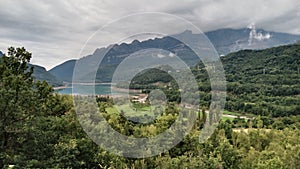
column 224, row 40
column 64, row 71
column 264, row 82
column 41, row 74
column 283, row 60
column 261, row 82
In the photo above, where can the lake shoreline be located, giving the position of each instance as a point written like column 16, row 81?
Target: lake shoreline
column 112, row 88
column 69, row 85
column 126, row 90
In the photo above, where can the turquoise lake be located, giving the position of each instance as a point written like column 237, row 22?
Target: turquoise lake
column 88, row 89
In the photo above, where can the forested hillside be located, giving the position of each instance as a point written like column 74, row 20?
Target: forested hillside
column 39, row 129
column 41, row 74
column 260, row 82
column 264, row 82
column 64, row 71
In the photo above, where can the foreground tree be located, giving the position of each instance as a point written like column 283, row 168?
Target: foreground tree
column 21, row 101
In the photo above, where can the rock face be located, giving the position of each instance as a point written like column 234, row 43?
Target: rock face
column 224, row 40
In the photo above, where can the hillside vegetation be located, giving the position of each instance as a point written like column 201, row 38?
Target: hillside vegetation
column 265, row 82
column 40, row 129
column 261, row 82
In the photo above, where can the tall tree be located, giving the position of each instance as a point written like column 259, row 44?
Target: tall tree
column 21, row 100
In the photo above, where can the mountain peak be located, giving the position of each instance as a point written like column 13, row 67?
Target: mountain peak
column 135, row 42
column 224, row 40
column 187, row 32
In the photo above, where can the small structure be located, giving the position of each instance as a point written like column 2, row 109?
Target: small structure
column 141, row 98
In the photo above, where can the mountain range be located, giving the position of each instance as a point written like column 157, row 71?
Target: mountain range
column 225, row 41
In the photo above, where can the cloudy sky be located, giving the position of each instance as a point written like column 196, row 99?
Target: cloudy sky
column 56, row 30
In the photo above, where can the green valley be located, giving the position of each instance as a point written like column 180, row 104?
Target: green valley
column 40, row 129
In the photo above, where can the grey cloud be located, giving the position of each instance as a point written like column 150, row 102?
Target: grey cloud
column 56, row 30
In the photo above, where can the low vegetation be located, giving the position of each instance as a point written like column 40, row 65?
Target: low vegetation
column 39, row 129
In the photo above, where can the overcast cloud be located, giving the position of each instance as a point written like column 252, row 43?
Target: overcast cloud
column 55, row 31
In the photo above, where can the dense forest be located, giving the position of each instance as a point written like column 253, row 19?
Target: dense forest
column 259, row 82
column 39, row 128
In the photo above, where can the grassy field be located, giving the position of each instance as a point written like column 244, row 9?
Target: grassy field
column 232, row 113
column 238, row 114
column 130, row 110
column 226, row 118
